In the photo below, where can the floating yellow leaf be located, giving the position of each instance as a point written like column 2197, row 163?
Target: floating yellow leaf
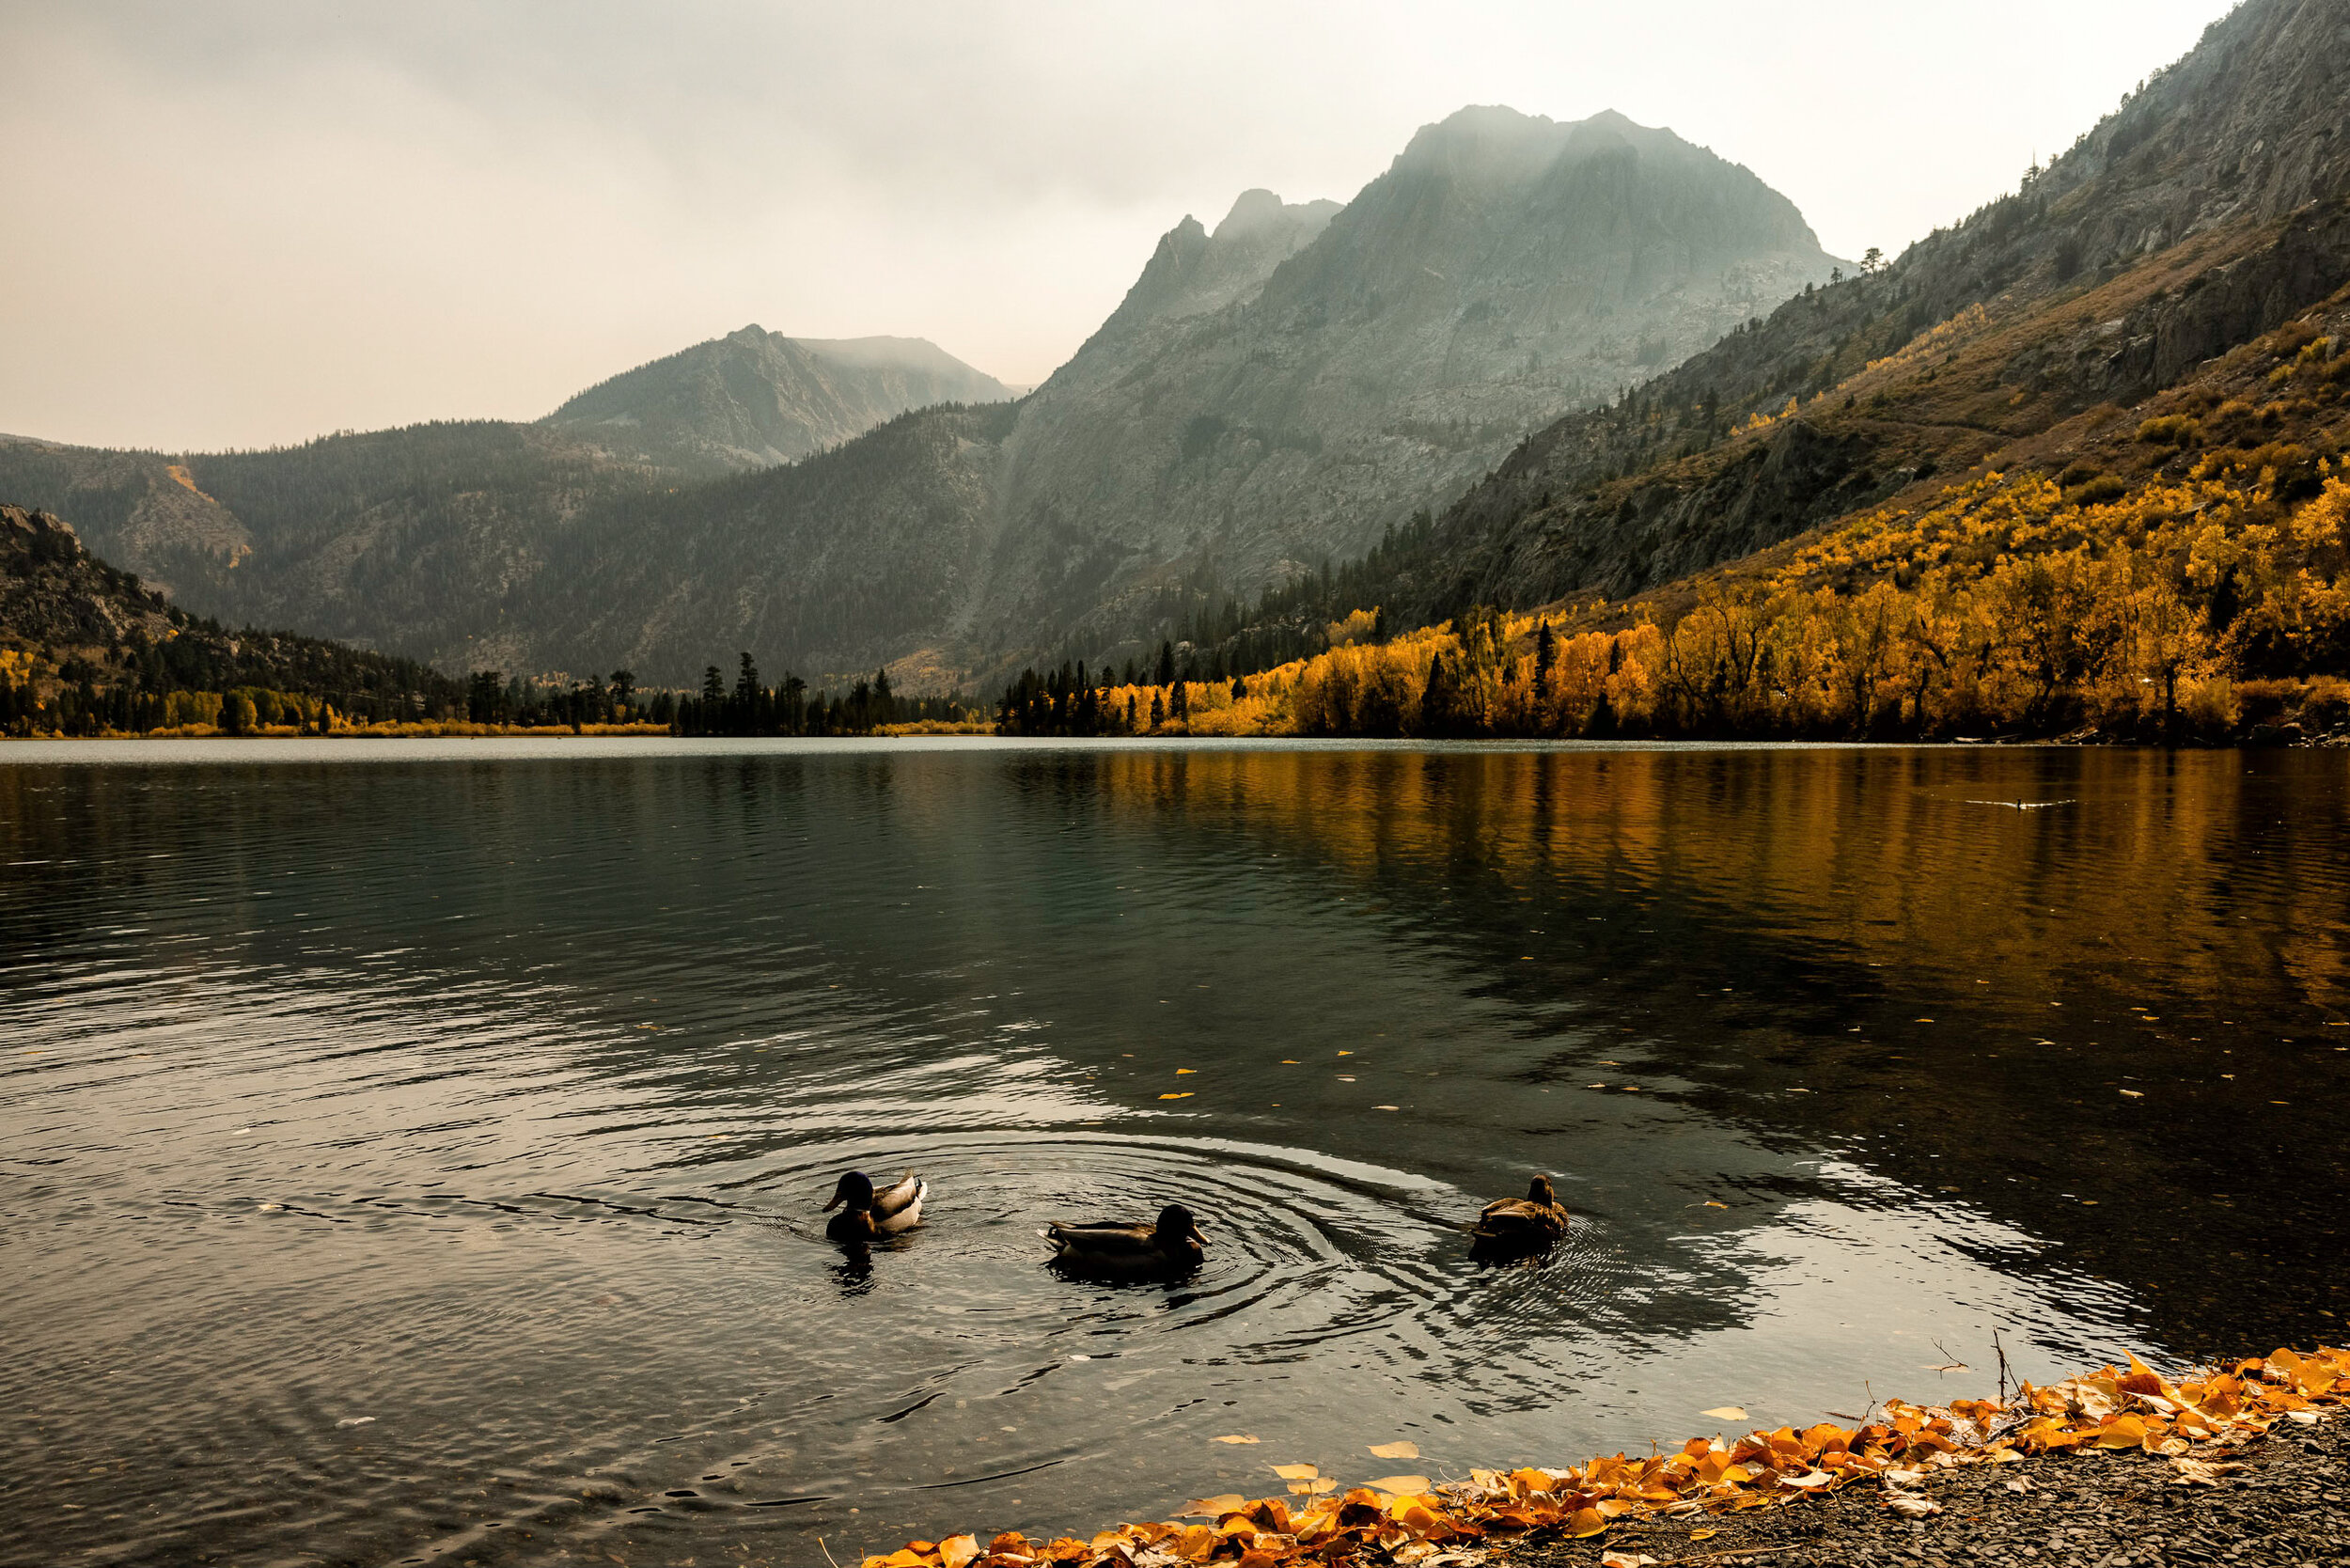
column 1726, row 1412
column 1235, row 1437
column 1180, row 1071
column 1401, row 1486
column 1186, row 1095
column 1710, row 1204
column 1405, row 1449
column 1296, row 1472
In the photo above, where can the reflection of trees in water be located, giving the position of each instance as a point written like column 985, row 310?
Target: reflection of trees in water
column 1754, row 909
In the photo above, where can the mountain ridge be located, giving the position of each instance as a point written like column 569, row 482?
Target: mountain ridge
column 755, row 399
column 1269, row 395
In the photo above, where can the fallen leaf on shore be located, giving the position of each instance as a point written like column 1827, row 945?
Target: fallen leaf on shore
column 1235, row 1437
column 1227, row 1502
column 1703, row 1534
column 2205, row 1472
column 957, row 1551
column 1405, row 1449
column 2115, row 1410
column 1726, row 1412
column 1624, row 1560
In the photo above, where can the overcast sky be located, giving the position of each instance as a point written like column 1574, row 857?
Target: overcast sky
column 242, row 222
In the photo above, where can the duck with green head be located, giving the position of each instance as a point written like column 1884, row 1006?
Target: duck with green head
column 869, row 1214
column 1111, row 1251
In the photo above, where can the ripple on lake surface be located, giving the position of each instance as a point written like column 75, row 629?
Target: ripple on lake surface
column 415, row 1151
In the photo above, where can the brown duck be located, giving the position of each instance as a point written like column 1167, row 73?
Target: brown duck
column 1516, row 1226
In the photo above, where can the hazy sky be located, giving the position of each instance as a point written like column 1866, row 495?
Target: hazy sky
column 240, row 222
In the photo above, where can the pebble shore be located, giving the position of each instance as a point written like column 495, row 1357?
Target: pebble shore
column 2290, row 1505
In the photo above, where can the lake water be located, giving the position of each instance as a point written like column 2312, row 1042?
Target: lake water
column 411, row 1152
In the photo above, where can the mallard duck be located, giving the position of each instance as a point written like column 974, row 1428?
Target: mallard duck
column 1109, row 1250
column 870, row 1214
column 1515, row 1226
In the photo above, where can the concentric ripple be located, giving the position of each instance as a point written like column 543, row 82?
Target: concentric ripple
column 1303, row 1249
column 415, row 1155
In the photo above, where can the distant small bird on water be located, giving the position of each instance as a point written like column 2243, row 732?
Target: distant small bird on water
column 868, row 1213
column 1109, row 1250
column 1519, row 1226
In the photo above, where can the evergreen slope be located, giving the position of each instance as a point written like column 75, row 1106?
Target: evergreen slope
column 85, row 646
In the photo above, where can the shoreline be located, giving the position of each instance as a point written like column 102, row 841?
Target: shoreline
column 455, row 731
column 2078, row 1471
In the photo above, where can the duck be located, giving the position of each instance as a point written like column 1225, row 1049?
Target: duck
column 1516, row 1227
column 1111, row 1251
column 868, row 1213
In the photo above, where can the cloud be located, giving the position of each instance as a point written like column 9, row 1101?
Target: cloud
column 248, row 221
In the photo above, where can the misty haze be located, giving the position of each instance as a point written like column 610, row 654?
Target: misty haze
column 961, row 787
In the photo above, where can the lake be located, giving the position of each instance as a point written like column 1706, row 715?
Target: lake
column 411, row 1152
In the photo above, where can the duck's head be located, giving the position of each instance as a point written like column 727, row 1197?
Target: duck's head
column 1176, row 1224
column 1542, row 1192
column 855, row 1189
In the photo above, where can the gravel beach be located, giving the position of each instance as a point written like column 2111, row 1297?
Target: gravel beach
column 2290, row 1504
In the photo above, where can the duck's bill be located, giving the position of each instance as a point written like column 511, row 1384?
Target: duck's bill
column 830, row 1203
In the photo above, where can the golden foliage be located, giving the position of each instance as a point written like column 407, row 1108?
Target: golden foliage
column 1398, row 1518
column 2011, row 605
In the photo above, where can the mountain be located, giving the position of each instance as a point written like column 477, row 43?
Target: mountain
column 755, row 398
column 97, row 648
column 1271, row 394
column 1276, row 393
column 433, row 538
column 2204, row 211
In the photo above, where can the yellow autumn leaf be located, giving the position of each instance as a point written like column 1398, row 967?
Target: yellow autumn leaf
column 1703, row 1534
column 1395, row 1450
column 1399, row 1485
column 1296, row 1472
column 1726, row 1412
column 1222, row 1503
column 1235, row 1437
column 1586, row 1521
column 957, row 1550
column 1186, row 1095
